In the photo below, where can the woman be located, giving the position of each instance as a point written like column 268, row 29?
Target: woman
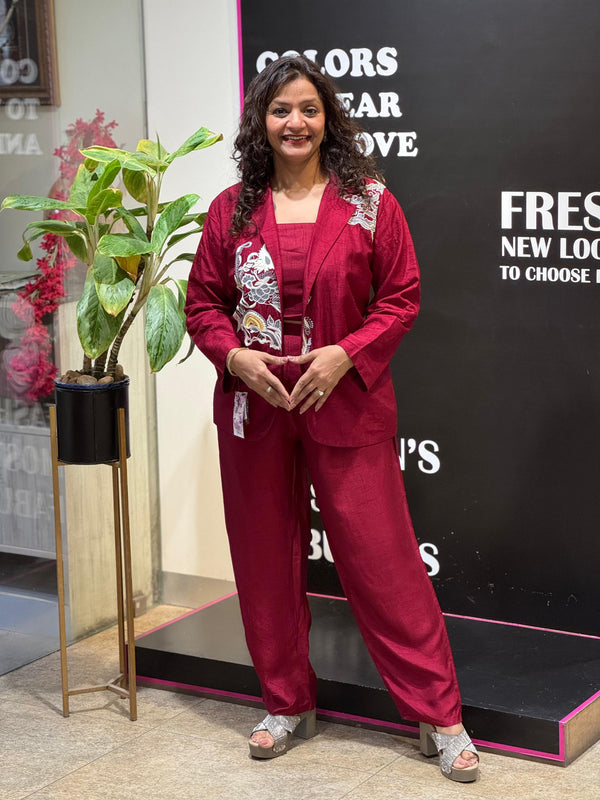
column 303, row 285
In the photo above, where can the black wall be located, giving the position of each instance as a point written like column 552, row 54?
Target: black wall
column 498, row 384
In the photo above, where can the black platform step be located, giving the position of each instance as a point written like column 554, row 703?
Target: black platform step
column 526, row 691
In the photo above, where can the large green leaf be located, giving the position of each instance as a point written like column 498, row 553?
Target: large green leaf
column 151, row 148
column 62, row 227
column 113, row 286
column 150, row 161
column 181, row 294
column 101, row 202
column 170, row 218
column 201, row 138
column 106, row 174
column 99, row 153
column 95, row 326
column 133, row 161
column 133, row 226
column 186, row 220
column 29, row 202
column 142, row 211
column 165, row 327
column 178, row 237
column 135, row 183
column 78, row 246
column 34, row 230
column 184, row 257
column 198, row 218
column 123, row 244
column 81, row 187
column 153, row 153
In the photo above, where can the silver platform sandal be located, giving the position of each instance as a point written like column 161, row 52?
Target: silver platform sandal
column 449, row 747
column 282, row 729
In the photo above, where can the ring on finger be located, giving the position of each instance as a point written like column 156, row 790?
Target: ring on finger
column 319, row 392
column 269, row 388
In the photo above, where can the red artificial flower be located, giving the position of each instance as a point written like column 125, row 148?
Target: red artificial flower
column 30, row 369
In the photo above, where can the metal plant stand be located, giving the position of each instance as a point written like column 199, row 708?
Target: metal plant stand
column 124, row 685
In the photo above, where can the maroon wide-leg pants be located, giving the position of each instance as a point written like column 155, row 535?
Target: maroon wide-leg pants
column 361, row 496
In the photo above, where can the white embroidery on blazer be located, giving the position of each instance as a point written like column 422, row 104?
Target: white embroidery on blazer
column 366, row 207
column 257, row 282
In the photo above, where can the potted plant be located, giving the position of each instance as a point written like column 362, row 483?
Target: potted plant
column 128, row 250
column 29, row 370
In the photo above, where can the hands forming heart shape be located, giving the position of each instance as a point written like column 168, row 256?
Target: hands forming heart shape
column 327, row 366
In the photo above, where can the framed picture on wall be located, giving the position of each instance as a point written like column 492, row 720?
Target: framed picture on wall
column 28, row 65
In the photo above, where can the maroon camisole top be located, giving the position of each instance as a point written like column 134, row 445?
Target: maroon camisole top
column 294, row 244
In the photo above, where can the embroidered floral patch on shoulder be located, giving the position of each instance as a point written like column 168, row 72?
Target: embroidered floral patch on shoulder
column 366, row 207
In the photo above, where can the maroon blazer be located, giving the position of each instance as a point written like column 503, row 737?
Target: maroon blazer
column 361, row 291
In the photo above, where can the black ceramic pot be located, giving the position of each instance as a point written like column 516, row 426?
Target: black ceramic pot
column 87, row 421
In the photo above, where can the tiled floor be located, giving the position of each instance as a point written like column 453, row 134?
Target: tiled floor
column 185, row 747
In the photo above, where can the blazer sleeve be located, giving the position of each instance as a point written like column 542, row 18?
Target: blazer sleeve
column 396, row 294
column 210, row 301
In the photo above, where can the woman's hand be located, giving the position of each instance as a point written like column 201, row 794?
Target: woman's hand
column 327, row 366
column 252, row 367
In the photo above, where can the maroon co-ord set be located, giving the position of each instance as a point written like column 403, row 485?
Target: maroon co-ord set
column 352, row 279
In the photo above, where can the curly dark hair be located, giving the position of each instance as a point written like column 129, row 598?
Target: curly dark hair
column 340, row 153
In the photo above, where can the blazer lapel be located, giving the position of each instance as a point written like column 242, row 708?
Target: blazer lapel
column 333, row 216
column 264, row 217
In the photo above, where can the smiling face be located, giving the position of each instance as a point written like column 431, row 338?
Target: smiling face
column 295, row 123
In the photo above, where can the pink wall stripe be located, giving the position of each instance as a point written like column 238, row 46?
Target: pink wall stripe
column 524, row 751
column 240, row 59
column 198, row 689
